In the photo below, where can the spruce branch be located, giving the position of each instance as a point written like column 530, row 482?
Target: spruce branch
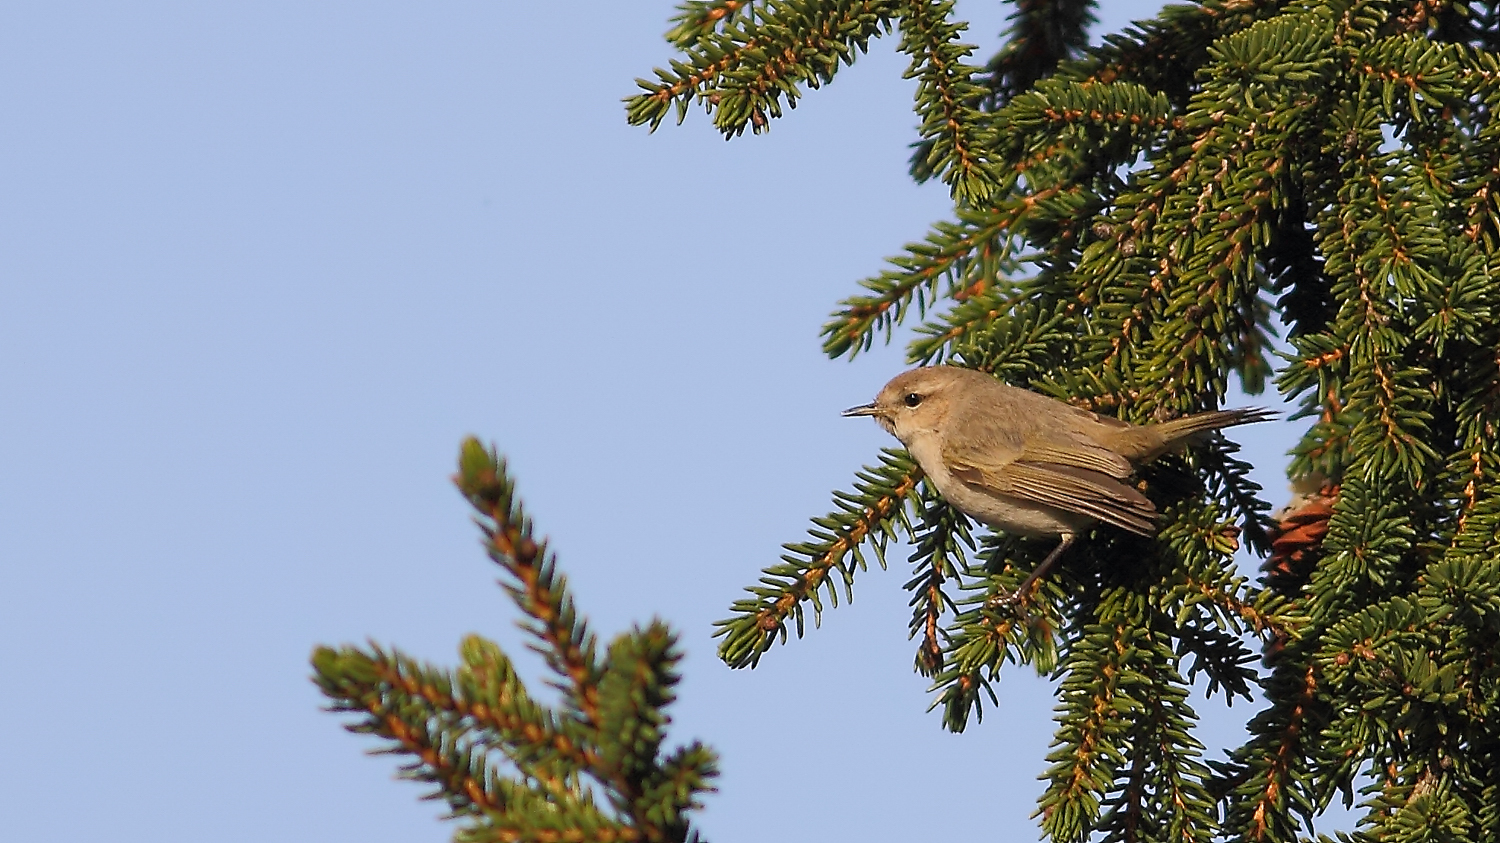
column 1473, row 23
column 1095, row 720
column 697, row 19
column 959, row 328
column 635, row 688
column 488, row 693
column 1067, row 132
column 1210, row 605
column 1218, row 218
column 1221, row 657
column 1019, row 343
column 1228, row 481
column 974, row 254
column 986, row 633
column 937, row 558
column 379, row 686
column 1164, row 53
column 513, row 769
column 870, row 515
column 1162, row 796
column 1479, row 519
column 1266, row 781
column 955, row 143
column 1294, row 268
column 535, row 586
column 1042, row 33
column 970, row 255
column 1121, row 274
column 744, row 72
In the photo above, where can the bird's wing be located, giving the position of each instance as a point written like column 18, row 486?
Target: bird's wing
column 1076, row 490
column 988, row 442
column 1078, row 453
column 1051, row 469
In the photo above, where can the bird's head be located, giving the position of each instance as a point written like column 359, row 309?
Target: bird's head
column 916, row 401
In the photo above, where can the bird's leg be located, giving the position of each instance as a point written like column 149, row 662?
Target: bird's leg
column 1025, row 587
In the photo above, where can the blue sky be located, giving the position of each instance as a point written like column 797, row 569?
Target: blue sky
column 263, row 265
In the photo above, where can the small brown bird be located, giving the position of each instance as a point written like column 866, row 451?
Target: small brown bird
column 1025, row 463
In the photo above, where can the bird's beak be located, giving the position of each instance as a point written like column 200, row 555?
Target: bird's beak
column 861, row 410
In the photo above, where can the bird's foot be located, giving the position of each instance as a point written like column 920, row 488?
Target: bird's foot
column 1012, row 603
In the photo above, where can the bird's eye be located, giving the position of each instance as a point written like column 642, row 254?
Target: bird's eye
column 912, row 399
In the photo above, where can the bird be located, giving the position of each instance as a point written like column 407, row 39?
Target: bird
column 1028, row 464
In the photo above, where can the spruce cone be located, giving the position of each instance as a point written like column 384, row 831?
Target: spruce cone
column 1298, row 537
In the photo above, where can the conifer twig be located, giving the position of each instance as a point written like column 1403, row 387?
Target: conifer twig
column 461, row 729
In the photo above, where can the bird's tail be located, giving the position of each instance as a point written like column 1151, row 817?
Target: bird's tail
column 1153, row 440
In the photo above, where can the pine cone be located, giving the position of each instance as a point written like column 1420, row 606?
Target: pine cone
column 1298, row 537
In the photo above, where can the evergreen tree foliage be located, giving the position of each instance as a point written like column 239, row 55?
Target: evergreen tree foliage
column 1132, row 226
column 511, row 768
